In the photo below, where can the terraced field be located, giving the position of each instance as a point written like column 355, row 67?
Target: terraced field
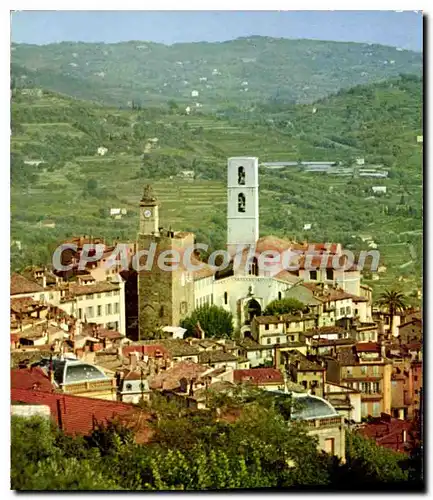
column 66, row 134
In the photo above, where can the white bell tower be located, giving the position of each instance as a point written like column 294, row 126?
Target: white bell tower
column 242, row 202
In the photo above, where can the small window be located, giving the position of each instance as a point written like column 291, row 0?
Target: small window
column 241, row 176
column 116, row 308
column 99, row 313
column 225, row 298
column 266, row 327
column 241, row 203
column 330, row 274
column 129, row 387
column 313, row 275
column 278, row 340
column 269, row 341
column 279, row 295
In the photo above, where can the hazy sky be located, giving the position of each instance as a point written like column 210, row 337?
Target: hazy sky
column 401, row 29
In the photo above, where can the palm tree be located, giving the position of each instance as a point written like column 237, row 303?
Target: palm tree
column 393, row 301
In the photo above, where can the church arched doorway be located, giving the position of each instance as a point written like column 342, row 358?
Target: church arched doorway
column 253, row 309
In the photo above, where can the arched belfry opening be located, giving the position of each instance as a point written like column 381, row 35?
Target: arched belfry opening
column 253, row 309
column 241, row 202
column 253, row 267
column 241, row 176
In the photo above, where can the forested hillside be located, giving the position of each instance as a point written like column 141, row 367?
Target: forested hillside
column 236, row 72
column 74, row 187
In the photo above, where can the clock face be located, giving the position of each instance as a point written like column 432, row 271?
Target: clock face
column 147, row 213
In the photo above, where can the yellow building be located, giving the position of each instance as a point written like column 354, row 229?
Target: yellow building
column 365, row 369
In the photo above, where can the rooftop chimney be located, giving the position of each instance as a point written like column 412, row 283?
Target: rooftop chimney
column 133, row 360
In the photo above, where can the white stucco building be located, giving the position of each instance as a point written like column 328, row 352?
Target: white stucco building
column 258, row 273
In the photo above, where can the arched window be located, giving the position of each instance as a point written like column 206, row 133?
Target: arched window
column 254, row 267
column 241, row 202
column 225, row 298
column 241, row 176
column 279, row 295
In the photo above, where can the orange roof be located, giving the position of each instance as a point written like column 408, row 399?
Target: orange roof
column 170, row 379
column 20, row 284
column 258, row 376
column 78, row 415
column 30, row 378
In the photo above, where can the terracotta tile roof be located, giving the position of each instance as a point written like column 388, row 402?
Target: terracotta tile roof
column 220, row 386
column 206, row 270
column 326, row 342
column 414, row 346
column 367, row 347
column 31, row 378
column 23, row 304
column 153, row 351
column 249, row 344
column 178, row 347
column 170, row 379
column 78, row 415
column 133, row 375
column 74, row 289
column 305, row 364
column 104, row 333
column 215, row 357
column 331, row 294
column 287, row 276
column 20, row 284
column 258, row 376
column 388, row 432
column 324, row 330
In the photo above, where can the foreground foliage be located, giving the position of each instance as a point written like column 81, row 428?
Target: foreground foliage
column 214, row 320
column 194, row 450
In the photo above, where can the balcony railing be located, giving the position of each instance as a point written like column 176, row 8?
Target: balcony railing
column 376, row 395
column 324, row 422
column 98, row 385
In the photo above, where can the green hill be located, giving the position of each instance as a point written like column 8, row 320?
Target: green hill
column 244, row 70
column 75, row 187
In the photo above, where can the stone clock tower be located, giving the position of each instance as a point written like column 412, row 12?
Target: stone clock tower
column 165, row 297
column 149, row 212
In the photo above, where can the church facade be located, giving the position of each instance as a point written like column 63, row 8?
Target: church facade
column 165, row 298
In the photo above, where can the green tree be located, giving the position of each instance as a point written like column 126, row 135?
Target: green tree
column 394, row 301
column 215, row 321
column 92, row 185
column 368, row 463
column 287, row 305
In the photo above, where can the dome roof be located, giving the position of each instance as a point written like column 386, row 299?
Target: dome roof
column 82, row 372
column 306, row 406
column 71, row 371
column 309, row 407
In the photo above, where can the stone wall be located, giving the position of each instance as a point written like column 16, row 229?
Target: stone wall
column 28, row 411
